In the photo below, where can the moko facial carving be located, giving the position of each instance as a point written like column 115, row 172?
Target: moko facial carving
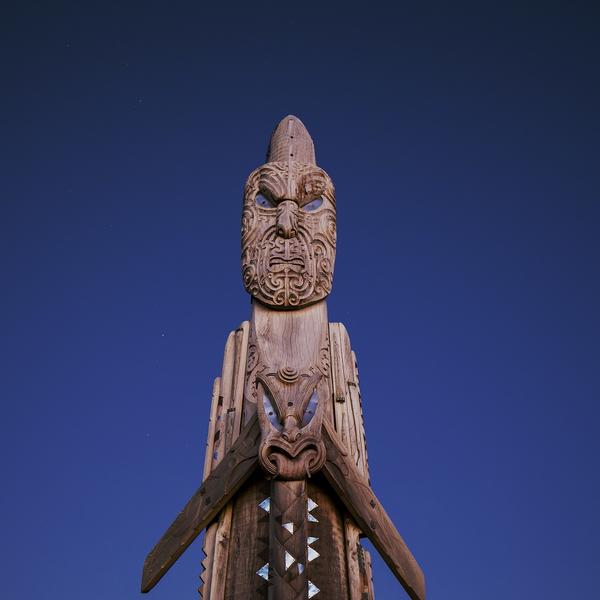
column 289, row 224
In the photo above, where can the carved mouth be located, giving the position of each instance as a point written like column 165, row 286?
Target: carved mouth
column 292, row 461
column 292, row 261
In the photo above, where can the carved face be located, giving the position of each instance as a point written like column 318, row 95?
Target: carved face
column 290, row 417
column 288, row 234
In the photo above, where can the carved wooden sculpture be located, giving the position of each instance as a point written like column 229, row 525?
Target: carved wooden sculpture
column 286, row 495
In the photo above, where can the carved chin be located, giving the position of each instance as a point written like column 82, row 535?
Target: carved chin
column 289, row 285
column 287, row 461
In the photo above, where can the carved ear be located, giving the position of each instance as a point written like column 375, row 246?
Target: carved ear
column 268, row 413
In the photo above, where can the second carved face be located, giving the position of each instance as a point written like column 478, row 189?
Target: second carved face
column 288, row 234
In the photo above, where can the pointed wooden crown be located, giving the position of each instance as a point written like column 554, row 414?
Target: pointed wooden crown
column 291, row 141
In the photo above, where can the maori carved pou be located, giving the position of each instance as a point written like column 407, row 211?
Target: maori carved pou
column 286, row 495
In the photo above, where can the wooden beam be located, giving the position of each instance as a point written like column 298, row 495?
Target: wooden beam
column 204, row 506
column 360, row 501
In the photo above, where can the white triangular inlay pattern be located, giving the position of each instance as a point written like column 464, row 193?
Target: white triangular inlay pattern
column 289, row 527
column 313, row 590
column 264, row 572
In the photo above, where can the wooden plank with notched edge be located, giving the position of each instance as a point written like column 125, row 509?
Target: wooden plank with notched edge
column 358, row 497
column 219, row 487
column 221, row 554
column 210, row 438
column 207, row 563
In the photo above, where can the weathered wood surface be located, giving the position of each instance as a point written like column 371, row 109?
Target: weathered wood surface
column 218, row 489
column 208, row 547
column 288, row 508
column 210, row 437
column 327, row 571
column 348, row 422
column 352, row 535
column 249, row 546
column 354, row 491
column 221, row 555
column 368, row 574
column 223, row 430
column 357, row 400
column 241, row 358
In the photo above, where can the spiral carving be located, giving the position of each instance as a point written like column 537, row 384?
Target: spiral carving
column 288, row 271
column 292, row 462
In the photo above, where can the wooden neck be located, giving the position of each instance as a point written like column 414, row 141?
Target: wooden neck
column 290, row 338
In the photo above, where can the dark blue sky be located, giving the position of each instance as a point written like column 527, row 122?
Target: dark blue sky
column 463, row 141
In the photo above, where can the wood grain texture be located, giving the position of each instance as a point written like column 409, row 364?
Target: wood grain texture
column 288, row 506
column 352, row 405
column 355, row 492
column 249, row 546
column 291, row 140
column 290, row 366
column 221, row 554
column 208, row 547
column 370, row 591
column 241, row 358
column 357, row 400
column 352, row 535
column 210, row 437
column 327, row 571
column 218, row 489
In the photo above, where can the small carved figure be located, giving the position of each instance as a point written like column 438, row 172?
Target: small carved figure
column 286, row 495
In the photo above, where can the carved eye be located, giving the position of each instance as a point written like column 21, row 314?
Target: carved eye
column 311, row 408
column 271, row 412
column 314, row 205
column 263, row 201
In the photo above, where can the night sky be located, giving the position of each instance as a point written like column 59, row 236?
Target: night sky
column 463, row 142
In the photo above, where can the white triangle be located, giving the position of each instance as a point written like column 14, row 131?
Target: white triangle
column 264, row 572
column 311, row 505
column 300, row 568
column 313, row 590
column 289, row 560
column 312, row 518
column 312, row 540
column 312, row 554
column 289, row 527
column 266, row 504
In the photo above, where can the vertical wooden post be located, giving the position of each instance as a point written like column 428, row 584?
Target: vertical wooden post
column 288, row 541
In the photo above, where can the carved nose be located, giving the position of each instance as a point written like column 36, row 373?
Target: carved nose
column 287, row 219
column 290, row 430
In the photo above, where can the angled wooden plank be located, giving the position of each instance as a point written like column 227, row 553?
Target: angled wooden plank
column 242, row 335
column 210, row 437
column 220, row 555
column 356, row 392
column 204, row 506
column 207, row 563
column 360, row 501
column 352, row 535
